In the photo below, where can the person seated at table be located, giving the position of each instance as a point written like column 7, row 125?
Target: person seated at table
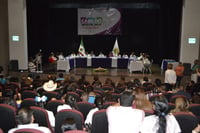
column 124, row 55
column 91, row 54
column 52, row 58
column 146, row 61
column 110, row 54
column 101, row 55
column 61, row 56
column 140, row 57
column 31, row 65
column 72, row 54
column 133, row 56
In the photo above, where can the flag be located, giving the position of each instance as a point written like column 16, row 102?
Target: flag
column 81, row 49
column 116, row 48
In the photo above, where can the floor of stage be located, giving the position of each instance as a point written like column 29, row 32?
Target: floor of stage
column 113, row 73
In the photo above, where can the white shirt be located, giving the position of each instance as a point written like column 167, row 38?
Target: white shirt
column 150, row 124
column 170, row 76
column 32, row 126
column 64, row 106
column 88, row 119
column 124, row 119
column 51, row 118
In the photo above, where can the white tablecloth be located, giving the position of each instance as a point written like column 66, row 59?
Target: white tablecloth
column 135, row 66
column 114, row 62
column 63, row 65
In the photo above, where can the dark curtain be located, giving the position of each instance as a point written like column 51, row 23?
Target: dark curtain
column 155, row 31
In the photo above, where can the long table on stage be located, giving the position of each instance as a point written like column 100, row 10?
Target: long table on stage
column 77, row 62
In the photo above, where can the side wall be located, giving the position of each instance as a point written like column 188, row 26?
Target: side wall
column 17, row 26
column 4, row 44
column 190, row 28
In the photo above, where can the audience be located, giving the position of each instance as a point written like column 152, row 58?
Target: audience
column 125, row 116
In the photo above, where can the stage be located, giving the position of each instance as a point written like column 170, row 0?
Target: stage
column 112, row 73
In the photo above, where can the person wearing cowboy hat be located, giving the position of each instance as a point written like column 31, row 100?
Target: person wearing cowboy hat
column 50, row 86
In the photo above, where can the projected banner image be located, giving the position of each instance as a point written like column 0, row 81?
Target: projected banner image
column 99, row 21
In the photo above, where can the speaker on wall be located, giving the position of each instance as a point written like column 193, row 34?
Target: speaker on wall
column 187, row 69
column 13, row 65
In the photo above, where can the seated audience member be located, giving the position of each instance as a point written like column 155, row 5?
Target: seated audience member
column 99, row 103
column 197, row 129
column 180, row 91
column 52, row 58
column 141, row 101
column 70, row 103
column 25, row 119
column 124, row 118
column 60, row 77
column 96, row 82
column 133, row 56
column 68, row 124
column 195, row 99
column 84, row 97
column 3, row 80
column 121, row 82
column 195, row 66
column 181, row 105
column 170, row 75
column 161, row 121
column 179, row 73
column 82, row 81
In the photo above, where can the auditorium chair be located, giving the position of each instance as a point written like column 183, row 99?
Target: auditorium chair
column 28, row 94
column 52, row 105
column 7, row 117
column 195, row 109
column 85, row 107
column 187, row 121
column 27, row 102
column 68, row 113
column 99, row 122
column 41, row 117
column 28, row 130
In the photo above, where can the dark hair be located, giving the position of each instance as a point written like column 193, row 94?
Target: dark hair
column 158, row 82
column 68, row 124
column 60, row 75
column 24, row 115
column 98, row 102
column 71, row 100
column 161, row 110
column 126, row 99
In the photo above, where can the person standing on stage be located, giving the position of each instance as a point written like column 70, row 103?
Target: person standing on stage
column 38, row 60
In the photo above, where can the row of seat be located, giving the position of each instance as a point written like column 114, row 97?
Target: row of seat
column 8, row 113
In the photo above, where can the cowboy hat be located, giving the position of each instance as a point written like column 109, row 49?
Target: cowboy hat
column 50, row 86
